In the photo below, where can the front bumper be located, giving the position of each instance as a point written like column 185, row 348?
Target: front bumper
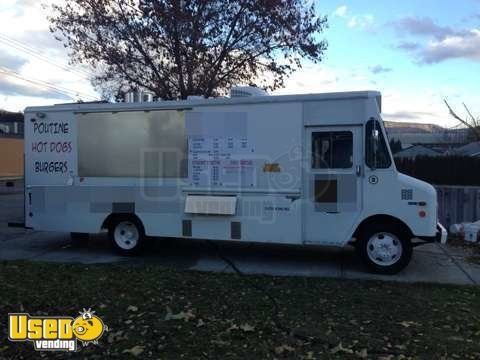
column 440, row 235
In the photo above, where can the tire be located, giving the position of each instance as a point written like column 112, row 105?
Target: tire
column 127, row 235
column 385, row 249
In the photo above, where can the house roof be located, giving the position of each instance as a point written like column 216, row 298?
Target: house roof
column 7, row 116
column 416, row 150
column 471, row 149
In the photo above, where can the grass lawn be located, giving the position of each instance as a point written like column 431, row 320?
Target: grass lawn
column 154, row 312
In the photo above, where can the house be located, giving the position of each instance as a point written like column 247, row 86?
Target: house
column 11, row 144
column 431, row 135
column 417, row 150
column 11, row 123
column 471, row 149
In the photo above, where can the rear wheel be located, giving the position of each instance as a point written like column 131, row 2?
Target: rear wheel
column 385, row 249
column 127, row 235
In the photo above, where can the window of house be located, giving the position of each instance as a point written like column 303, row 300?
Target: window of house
column 376, row 151
column 332, row 150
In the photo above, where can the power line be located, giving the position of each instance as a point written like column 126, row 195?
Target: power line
column 35, row 83
column 58, row 89
column 35, row 53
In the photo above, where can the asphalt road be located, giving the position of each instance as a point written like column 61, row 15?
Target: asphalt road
column 430, row 263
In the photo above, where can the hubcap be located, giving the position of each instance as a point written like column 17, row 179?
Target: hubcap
column 126, row 235
column 384, row 249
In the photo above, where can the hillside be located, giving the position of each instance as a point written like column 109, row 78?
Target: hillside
column 411, row 127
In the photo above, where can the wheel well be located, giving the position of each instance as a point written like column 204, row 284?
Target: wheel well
column 116, row 216
column 383, row 219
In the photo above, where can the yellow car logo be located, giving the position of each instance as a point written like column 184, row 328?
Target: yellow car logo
column 88, row 327
column 56, row 333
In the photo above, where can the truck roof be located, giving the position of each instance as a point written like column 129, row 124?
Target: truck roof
column 182, row 104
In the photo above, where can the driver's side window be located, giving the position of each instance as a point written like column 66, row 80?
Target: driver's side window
column 376, row 151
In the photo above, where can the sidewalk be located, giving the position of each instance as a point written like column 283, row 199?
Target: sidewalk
column 431, row 263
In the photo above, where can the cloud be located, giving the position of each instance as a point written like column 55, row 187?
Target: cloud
column 452, row 47
column 421, row 26
column 9, row 86
column 311, row 79
column 379, row 69
column 363, row 22
column 419, row 103
column 43, row 40
column 11, row 61
column 35, row 55
column 443, row 42
column 341, row 11
column 408, row 46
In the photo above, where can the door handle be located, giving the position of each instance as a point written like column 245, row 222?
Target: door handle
column 358, row 170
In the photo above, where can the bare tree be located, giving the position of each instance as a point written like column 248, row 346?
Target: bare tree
column 176, row 48
column 472, row 123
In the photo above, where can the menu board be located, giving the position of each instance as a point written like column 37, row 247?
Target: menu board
column 221, row 161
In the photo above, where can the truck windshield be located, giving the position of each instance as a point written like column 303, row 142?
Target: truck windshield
column 376, row 153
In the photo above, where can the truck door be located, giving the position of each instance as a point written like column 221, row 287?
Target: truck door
column 333, row 183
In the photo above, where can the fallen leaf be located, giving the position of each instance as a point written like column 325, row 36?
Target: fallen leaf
column 135, row 351
column 362, row 354
column 232, row 327
column 186, row 316
column 132, row 308
column 387, row 357
column 407, row 324
column 200, row 323
column 115, row 336
column 279, row 350
column 219, row 342
column 247, row 328
column 456, row 338
column 340, row 348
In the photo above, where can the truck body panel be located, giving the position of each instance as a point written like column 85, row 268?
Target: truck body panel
column 296, row 167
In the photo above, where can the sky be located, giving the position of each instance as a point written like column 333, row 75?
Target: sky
column 417, row 53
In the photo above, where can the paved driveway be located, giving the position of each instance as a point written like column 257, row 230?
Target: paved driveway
column 431, row 263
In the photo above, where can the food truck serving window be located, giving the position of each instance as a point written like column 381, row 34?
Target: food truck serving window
column 132, row 144
column 332, row 150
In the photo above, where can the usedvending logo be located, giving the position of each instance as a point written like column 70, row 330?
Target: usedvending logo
column 56, row 333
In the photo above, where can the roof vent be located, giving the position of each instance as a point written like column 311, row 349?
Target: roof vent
column 138, row 96
column 246, row 91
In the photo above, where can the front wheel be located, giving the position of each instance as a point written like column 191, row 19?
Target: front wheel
column 385, row 249
column 127, row 235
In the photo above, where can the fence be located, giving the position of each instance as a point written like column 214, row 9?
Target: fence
column 458, row 204
column 459, row 194
column 445, row 170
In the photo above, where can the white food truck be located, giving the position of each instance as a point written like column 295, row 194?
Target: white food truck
column 297, row 169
